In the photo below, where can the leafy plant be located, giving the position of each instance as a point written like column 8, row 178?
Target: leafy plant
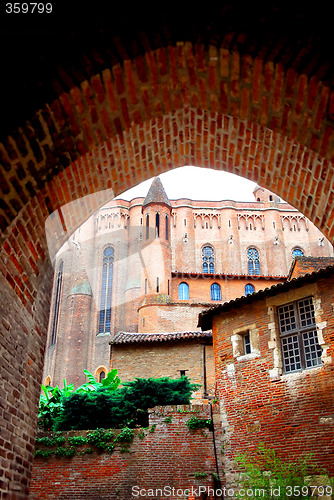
column 43, row 453
column 110, row 382
column 47, row 441
column 124, row 407
column 109, row 448
column 50, row 404
column 52, row 398
column 65, row 452
column 99, row 438
column 77, row 440
column 198, row 423
column 266, row 472
column 200, row 474
column 126, row 435
column 168, row 420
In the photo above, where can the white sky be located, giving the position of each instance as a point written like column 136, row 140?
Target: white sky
column 199, row 183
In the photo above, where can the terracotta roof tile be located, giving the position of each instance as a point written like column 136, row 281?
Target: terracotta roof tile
column 129, row 338
column 205, row 317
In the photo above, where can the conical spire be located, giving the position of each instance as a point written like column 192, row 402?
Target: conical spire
column 157, row 194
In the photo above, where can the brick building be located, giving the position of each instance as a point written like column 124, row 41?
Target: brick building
column 273, row 355
column 146, row 91
column 139, row 272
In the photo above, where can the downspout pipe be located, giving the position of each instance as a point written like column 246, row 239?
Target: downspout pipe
column 217, row 482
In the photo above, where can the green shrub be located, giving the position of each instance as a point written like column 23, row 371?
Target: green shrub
column 125, row 407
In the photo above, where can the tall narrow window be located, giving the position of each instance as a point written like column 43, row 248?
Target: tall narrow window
column 157, row 225
column 183, row 291
column 102, row 376
column 106, row 290
column 216, row 292
column 145, row 286
column 147, row 226
column 253, row 261
column 249, row 288
column 167, row 227
column 299, row 338
column 158, row 286
column 247, row 343
column 208, row 259
column 57, row 302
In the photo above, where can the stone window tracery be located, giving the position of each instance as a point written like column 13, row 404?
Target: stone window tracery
column 297, row 251
column 208, row 259
column 253, row 261
column 249, row 288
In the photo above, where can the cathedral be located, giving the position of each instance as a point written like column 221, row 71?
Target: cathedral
column 130, row 283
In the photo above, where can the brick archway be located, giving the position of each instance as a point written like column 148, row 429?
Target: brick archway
column 258, row 113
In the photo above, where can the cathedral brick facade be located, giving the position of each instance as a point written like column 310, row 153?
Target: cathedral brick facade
column 151, row 265
column 280, row 391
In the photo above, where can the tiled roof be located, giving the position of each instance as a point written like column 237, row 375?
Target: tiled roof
column 190, row 274
column 305, row 264
column 205, row 317
column 129, row 338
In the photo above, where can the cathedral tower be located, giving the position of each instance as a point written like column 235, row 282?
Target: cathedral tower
column 156, row 257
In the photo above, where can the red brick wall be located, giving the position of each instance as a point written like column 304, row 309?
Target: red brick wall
column 91, row 129
column 291, row 413
column 168, row 456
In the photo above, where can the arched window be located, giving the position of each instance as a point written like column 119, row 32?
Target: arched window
column 183, row 291
column 249, row 289
column 59, row 283
column 102, row 375
column 297, row 251
column 106, row 290
column 216, row 292
column 208, row 259
column 253, row 261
